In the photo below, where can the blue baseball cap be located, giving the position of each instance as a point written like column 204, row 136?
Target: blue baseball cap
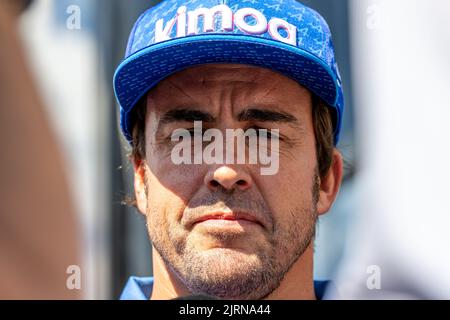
column 282, row 35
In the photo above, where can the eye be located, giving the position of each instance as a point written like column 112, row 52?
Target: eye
column 265, row 133
column 196, row 132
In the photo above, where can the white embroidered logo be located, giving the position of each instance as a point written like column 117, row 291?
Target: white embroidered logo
column 187, row 23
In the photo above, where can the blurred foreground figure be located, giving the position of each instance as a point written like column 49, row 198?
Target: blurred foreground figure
column 402, row 51
column 38, row 230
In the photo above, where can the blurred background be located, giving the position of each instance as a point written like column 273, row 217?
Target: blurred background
column 72, row 48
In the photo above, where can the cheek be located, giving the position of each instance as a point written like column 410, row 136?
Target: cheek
column 291, row 188
column 170, row 187
column 173, row 180
column 165, row 207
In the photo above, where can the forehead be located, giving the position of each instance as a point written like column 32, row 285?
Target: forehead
column 242, row 80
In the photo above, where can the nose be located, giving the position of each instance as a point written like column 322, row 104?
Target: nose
column 229, row 178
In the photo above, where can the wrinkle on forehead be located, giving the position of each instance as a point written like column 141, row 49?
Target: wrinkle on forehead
column 242, row 81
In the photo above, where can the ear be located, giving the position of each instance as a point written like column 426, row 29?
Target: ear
column 330, row 184
column 140, row 189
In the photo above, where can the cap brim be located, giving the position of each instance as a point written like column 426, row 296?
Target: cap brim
column 137, row 74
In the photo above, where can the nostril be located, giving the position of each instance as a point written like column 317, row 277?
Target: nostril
column 241, row 183
column 214, row 183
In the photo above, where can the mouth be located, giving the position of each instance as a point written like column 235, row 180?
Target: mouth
column 232, row 218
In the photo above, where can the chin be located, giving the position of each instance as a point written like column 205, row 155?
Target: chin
column 235, row 247
column 229, row 258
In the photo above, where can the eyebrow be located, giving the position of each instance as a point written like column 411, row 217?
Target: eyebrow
column 263, row 115
column 252, row 114
column 186, row 115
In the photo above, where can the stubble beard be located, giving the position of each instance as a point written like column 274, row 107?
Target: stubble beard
column 233, row 274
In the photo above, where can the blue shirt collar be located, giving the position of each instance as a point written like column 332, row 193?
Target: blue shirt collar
column 138, row 288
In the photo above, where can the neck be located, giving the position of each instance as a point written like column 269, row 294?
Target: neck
column 166, row 285
column 297, row 284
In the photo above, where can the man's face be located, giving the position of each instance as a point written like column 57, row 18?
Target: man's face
column 272, row 216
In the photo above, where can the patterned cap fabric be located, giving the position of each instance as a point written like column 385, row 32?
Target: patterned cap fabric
column 283, row 35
